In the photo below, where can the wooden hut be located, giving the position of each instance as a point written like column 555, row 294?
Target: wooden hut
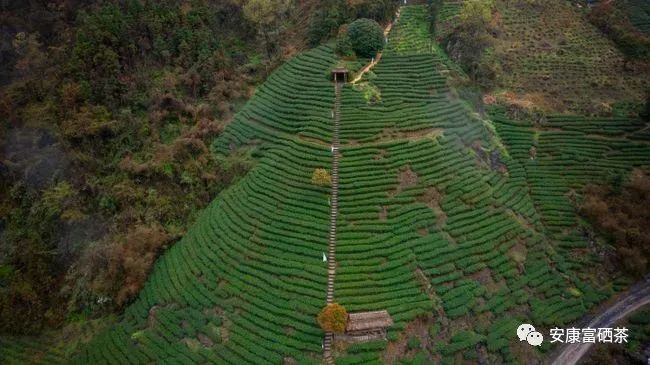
column 366, row 326
column 340, row 74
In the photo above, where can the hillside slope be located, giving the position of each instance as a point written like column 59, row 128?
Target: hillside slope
column 107, row 112
column 445, row 221
column 548, row 56
column 247, row 281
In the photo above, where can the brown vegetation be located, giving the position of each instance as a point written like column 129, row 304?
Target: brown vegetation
column 471, row 40
column 333, row 318
column 321, row 177
column 634, row 44
column 107, row 120
column 432, row 198
column 401, row 349
column 407, row 178
column 622, row 214
column 120, row 268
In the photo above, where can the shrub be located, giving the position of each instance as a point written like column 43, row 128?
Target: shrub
column 373, row 9
column 366, row 37
column 343, row 43
column 476, row 13
column 333, row 318
column 332, row 14
column 119, row 269
column 321, row 177
column 323, row 25
column 470, row 41
column 370, row 92
column 413, row 342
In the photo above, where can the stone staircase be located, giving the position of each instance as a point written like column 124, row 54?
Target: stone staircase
column 331, row 253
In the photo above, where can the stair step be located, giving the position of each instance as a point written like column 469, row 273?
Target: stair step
column 331, row 264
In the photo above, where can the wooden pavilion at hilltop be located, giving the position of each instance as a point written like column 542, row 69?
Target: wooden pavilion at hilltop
column 366, row 326
column 340, row 74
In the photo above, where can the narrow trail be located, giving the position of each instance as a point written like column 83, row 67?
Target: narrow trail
column 331, row 253
column 637, row 297
column 376, row 60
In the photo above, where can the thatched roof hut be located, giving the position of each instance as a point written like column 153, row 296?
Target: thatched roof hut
column 368, row 322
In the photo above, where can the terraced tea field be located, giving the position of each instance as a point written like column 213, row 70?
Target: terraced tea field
column 556, row 52
column 571, row 151
column 427, row 217
column 447, row 17
column 550, row 54
column 444, row 220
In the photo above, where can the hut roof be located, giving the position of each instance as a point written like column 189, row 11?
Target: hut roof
column 368, row 321
column 340, row 70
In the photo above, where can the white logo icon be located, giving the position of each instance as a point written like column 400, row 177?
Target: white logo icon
column 535, row 338
column 523, row 331
column 526, row 332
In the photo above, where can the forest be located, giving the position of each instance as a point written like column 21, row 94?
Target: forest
column 108, row 110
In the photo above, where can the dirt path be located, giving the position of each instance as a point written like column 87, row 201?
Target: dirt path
column 375, row 61
column 635, row 298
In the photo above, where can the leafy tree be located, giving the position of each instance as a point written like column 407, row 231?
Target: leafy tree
column 321, row 177
column 634, row 46
column 366, row 37
column 333, row 318
column 476, row 14
column 267, row 16
column 370, row 92
column 378, row 10
column 30, row 62
column 326, row 22
column 28, row 270
column 470, row 41
column 611, row 21
column 343, row 43
column 95, row 58
column 126, row 262
column 413, row 343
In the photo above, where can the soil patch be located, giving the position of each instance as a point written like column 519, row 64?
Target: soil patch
column 383, row 213
column 205, row 340
column 432, row 198
column 407, row 178
column 389, row 134
column 518, row 253
column 419, row 328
